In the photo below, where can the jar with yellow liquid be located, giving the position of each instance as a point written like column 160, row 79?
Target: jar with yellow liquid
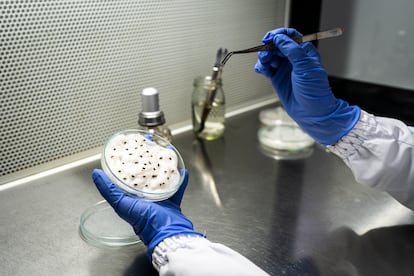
column 214, row 125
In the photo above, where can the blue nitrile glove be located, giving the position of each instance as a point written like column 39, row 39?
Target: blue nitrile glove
column 302, row 85
column 152, row 221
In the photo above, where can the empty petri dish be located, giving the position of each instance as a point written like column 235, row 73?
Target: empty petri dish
column 102, row 227
column 281, row 137
column 143, row 164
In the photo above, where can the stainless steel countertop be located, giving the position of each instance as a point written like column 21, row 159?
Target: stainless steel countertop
column 303, row 217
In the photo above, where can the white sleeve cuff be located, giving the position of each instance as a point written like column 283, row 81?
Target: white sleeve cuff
column 159, row 256
column 349, row 144
column 380, row 153
column 195, row 255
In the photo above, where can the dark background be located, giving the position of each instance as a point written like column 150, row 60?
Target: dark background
column 377, row 99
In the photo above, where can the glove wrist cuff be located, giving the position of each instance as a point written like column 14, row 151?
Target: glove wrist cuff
column 330, row 129
column 171, row 244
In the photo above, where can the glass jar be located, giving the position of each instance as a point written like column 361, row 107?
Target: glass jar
column 215, row 120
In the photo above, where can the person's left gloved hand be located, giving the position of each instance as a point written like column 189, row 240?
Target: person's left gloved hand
column 152, row 221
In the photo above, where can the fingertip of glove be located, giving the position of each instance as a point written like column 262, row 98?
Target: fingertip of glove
column 270, row 35
column 262, row 69
column 105, row 186
column 288, row 47
column 96, row 174
column 96, row 171
column 177, row 197
column 185, row 180
column 281, row 40
column 258, row 67
column 101, row 180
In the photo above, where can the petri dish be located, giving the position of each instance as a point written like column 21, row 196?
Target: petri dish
column 281, row 137
column 102, row 227
column 143, row 164
column 145, row 159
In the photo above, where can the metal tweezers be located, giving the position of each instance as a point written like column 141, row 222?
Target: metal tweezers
column 299, row 39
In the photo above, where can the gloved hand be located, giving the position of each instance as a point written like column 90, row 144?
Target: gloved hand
column 152, row 221
column 301, row 83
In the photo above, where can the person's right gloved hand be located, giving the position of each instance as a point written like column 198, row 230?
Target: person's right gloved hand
column 302, row 85
column 152, row 221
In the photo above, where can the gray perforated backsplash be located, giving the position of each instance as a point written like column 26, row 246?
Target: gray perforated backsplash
column 72, row 71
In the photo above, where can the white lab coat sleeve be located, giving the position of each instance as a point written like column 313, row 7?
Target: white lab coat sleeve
column 193, row 255
column 380, row 153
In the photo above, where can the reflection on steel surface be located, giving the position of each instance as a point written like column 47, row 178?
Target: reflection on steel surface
column 203, row 164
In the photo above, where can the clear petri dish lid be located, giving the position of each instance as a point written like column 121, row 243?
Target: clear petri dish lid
column 276, row 116
column 102, row 227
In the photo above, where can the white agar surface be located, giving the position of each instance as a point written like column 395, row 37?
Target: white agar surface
column 141, row 163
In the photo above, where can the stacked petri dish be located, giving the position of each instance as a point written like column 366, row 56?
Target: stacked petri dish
column 143, row 165
column 281, row 137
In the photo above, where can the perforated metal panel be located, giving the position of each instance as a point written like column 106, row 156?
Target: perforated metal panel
column 72, row 71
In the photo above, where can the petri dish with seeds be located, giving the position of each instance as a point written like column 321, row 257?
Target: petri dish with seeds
column 143, row 164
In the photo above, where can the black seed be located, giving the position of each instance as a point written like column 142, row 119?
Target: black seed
column 132, row 176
